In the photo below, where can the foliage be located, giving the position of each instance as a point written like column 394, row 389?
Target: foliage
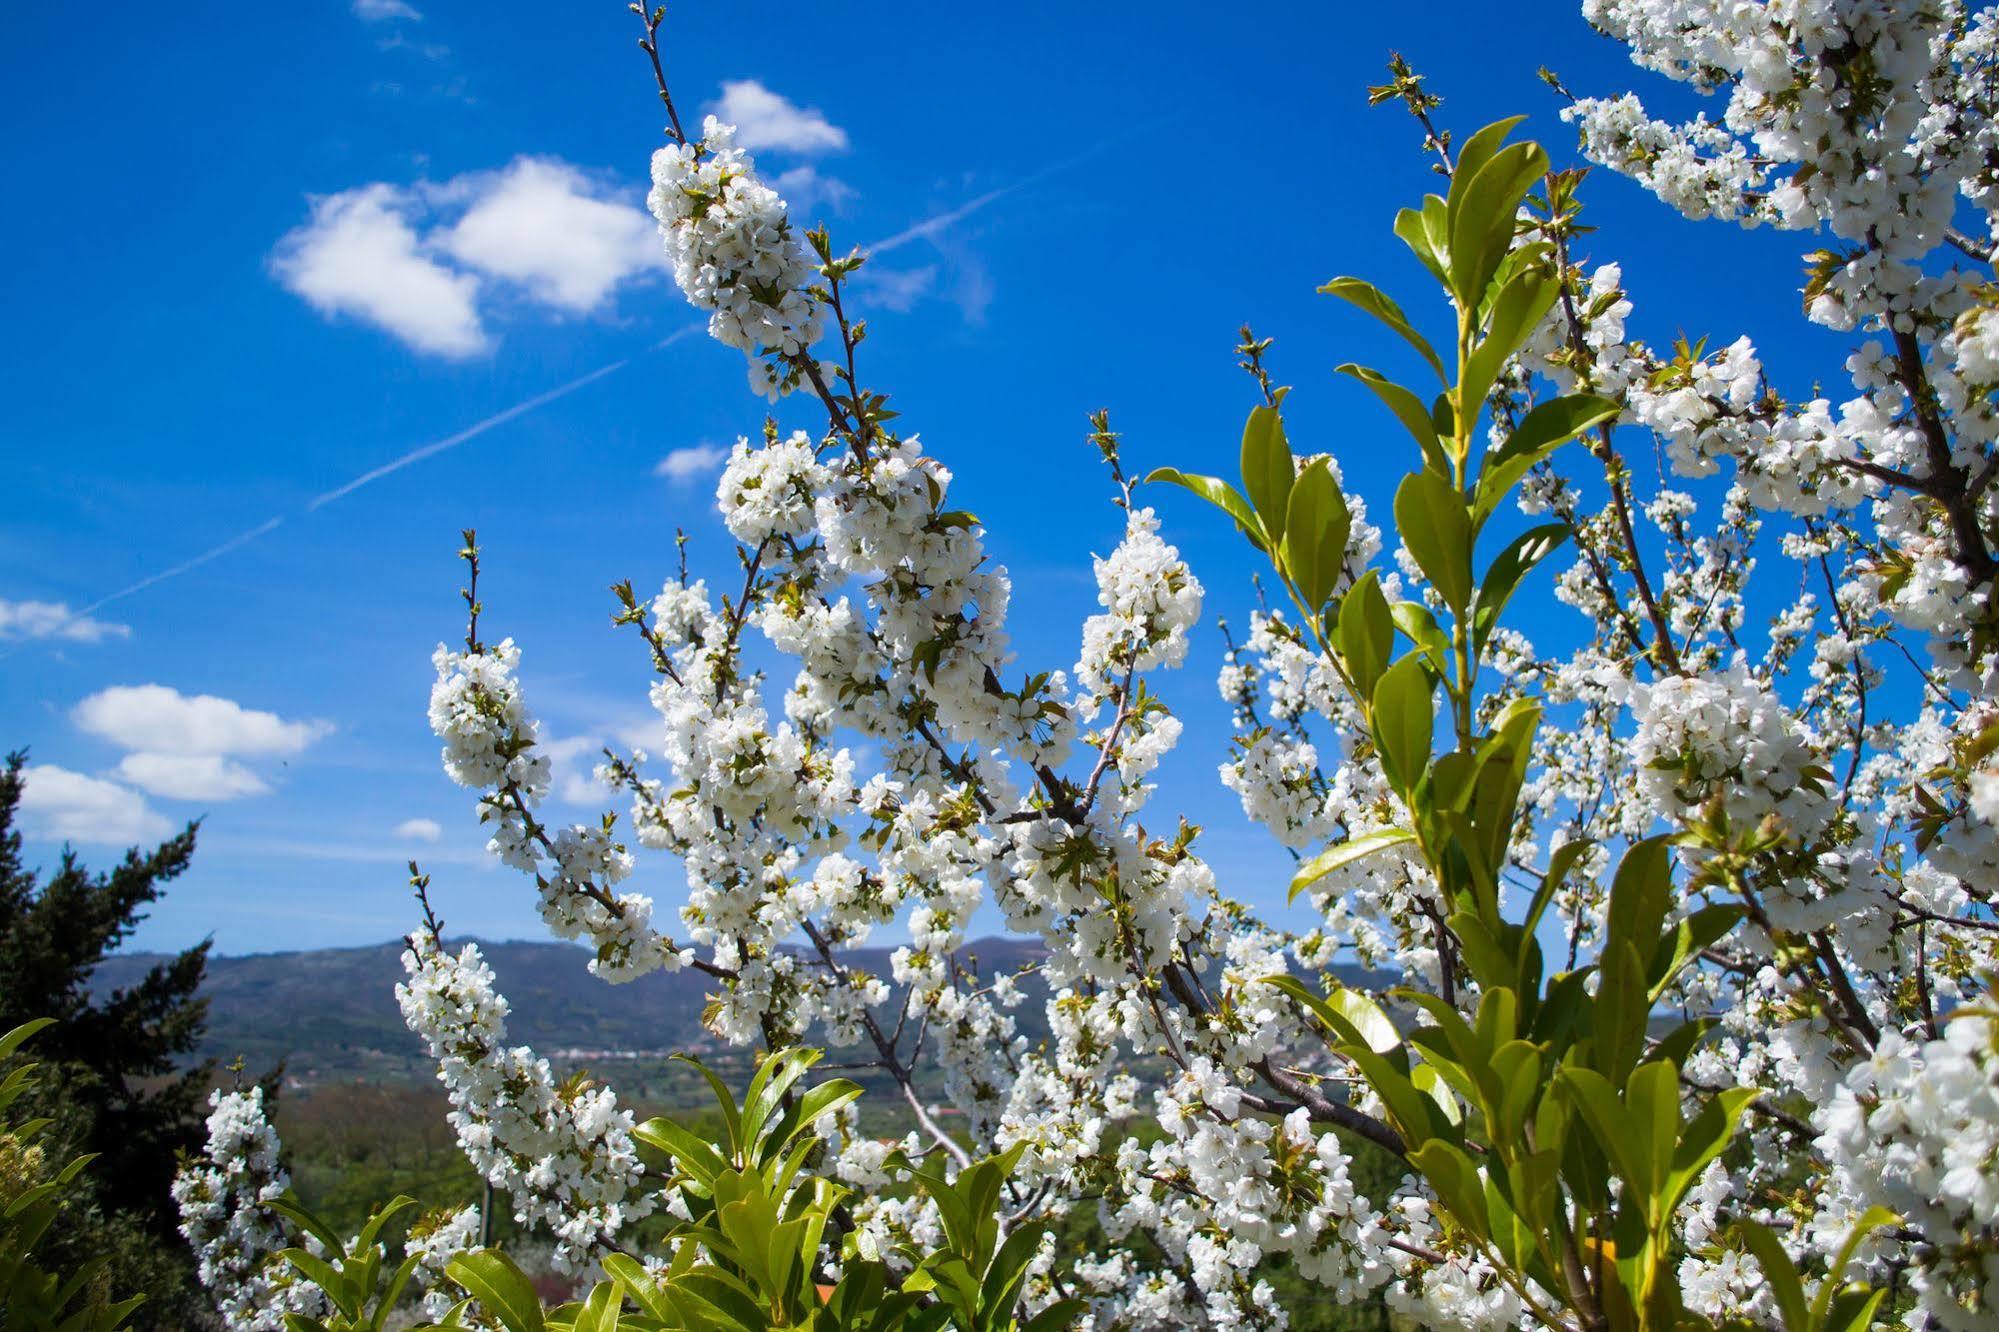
column 34, row 1193
column 747, row 1255
column 1694, row 921
column 1520, row 1113
column 117, row 1084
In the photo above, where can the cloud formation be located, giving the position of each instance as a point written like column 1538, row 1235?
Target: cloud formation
column 423, row 262
column 54, row 620
column 383, row 11
column 360, row 256
column 545, row 225
column 687, row 465
column 157, row 719
column 805, row 187
column 419, row 830
column 185, row 748
column 897, row 289
column 765, row 119
column 66, row 806
column 190, row 776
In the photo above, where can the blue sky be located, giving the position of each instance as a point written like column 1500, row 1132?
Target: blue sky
column 262, row 252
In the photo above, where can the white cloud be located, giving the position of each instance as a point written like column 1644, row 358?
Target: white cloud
column 54, row 619
column 897, row 289
column 190, row 776
column 544, row 224
column 154, row 719
column 686, row 466
column 67, row 806
column 381, row 11
column 419, row 830
column 572, row 770
column 764, row 119
column 422, row 261
column 360, row 256
column 805, row 185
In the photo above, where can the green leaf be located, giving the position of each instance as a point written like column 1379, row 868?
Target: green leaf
column 1703, row 1139
column 1368, row 297
column 775, row 1076
column 1422, row 232
column 289, row 1207
column 1778, row 1272
column 1414, row 619
column 1402, row 722
column 1544, row 429
column 1345, row 853
column 1688, row 937
column 1516, row 311
column 1057, row 1316
column 1349, row 1014
column 1476, row 151
column 1503, row 577
column 1610, row 1124
column 1267, row 469
column 1652, row 1095
column 1408, row 409
column 688, row 1151
column 501, row 1288
column 1430, row 518
column 325, row 1276
column 20, row 1035
column 725, row 1100
column 1864, row 1225
column 1560, row 865
column 1365, row 633
column 1483, row 208
column 1316, row 527
column 1218, row 493
column 1451, row 1173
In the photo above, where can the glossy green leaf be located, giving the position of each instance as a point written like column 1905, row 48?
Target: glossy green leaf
column 1267, row 469
column 1368, row 297
column 1408, row 409
column 1502, row 577
column 1483, row 208
column 1430, row 518
column 1365, row 633
column 1544, row 429
column 1218, row 493
column 1316, row 527
column 1402, row 721
column 1351, row 1015
column 501, row 1288
column 1345, row 853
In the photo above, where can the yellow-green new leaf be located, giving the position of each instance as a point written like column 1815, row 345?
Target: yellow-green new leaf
column 1364, row 294
column 1344, row 854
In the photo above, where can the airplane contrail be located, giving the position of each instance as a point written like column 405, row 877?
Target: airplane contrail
column 929, row 226
column 240, row 539
column 469, row 433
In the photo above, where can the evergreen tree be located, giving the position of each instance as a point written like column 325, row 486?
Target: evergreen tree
column 116, row 1081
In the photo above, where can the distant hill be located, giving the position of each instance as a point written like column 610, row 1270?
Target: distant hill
column 330, row 1014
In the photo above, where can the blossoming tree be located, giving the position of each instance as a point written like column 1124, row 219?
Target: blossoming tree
column 1694, row 922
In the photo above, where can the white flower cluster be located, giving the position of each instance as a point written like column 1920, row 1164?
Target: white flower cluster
column 1915, row 1128
column 1725, row 737
column 1150, row 600
column 491, row 744
column 438, row 1237
column 895, row 770
column 734, row 253
column 222, row 1196
column 564, row 1154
